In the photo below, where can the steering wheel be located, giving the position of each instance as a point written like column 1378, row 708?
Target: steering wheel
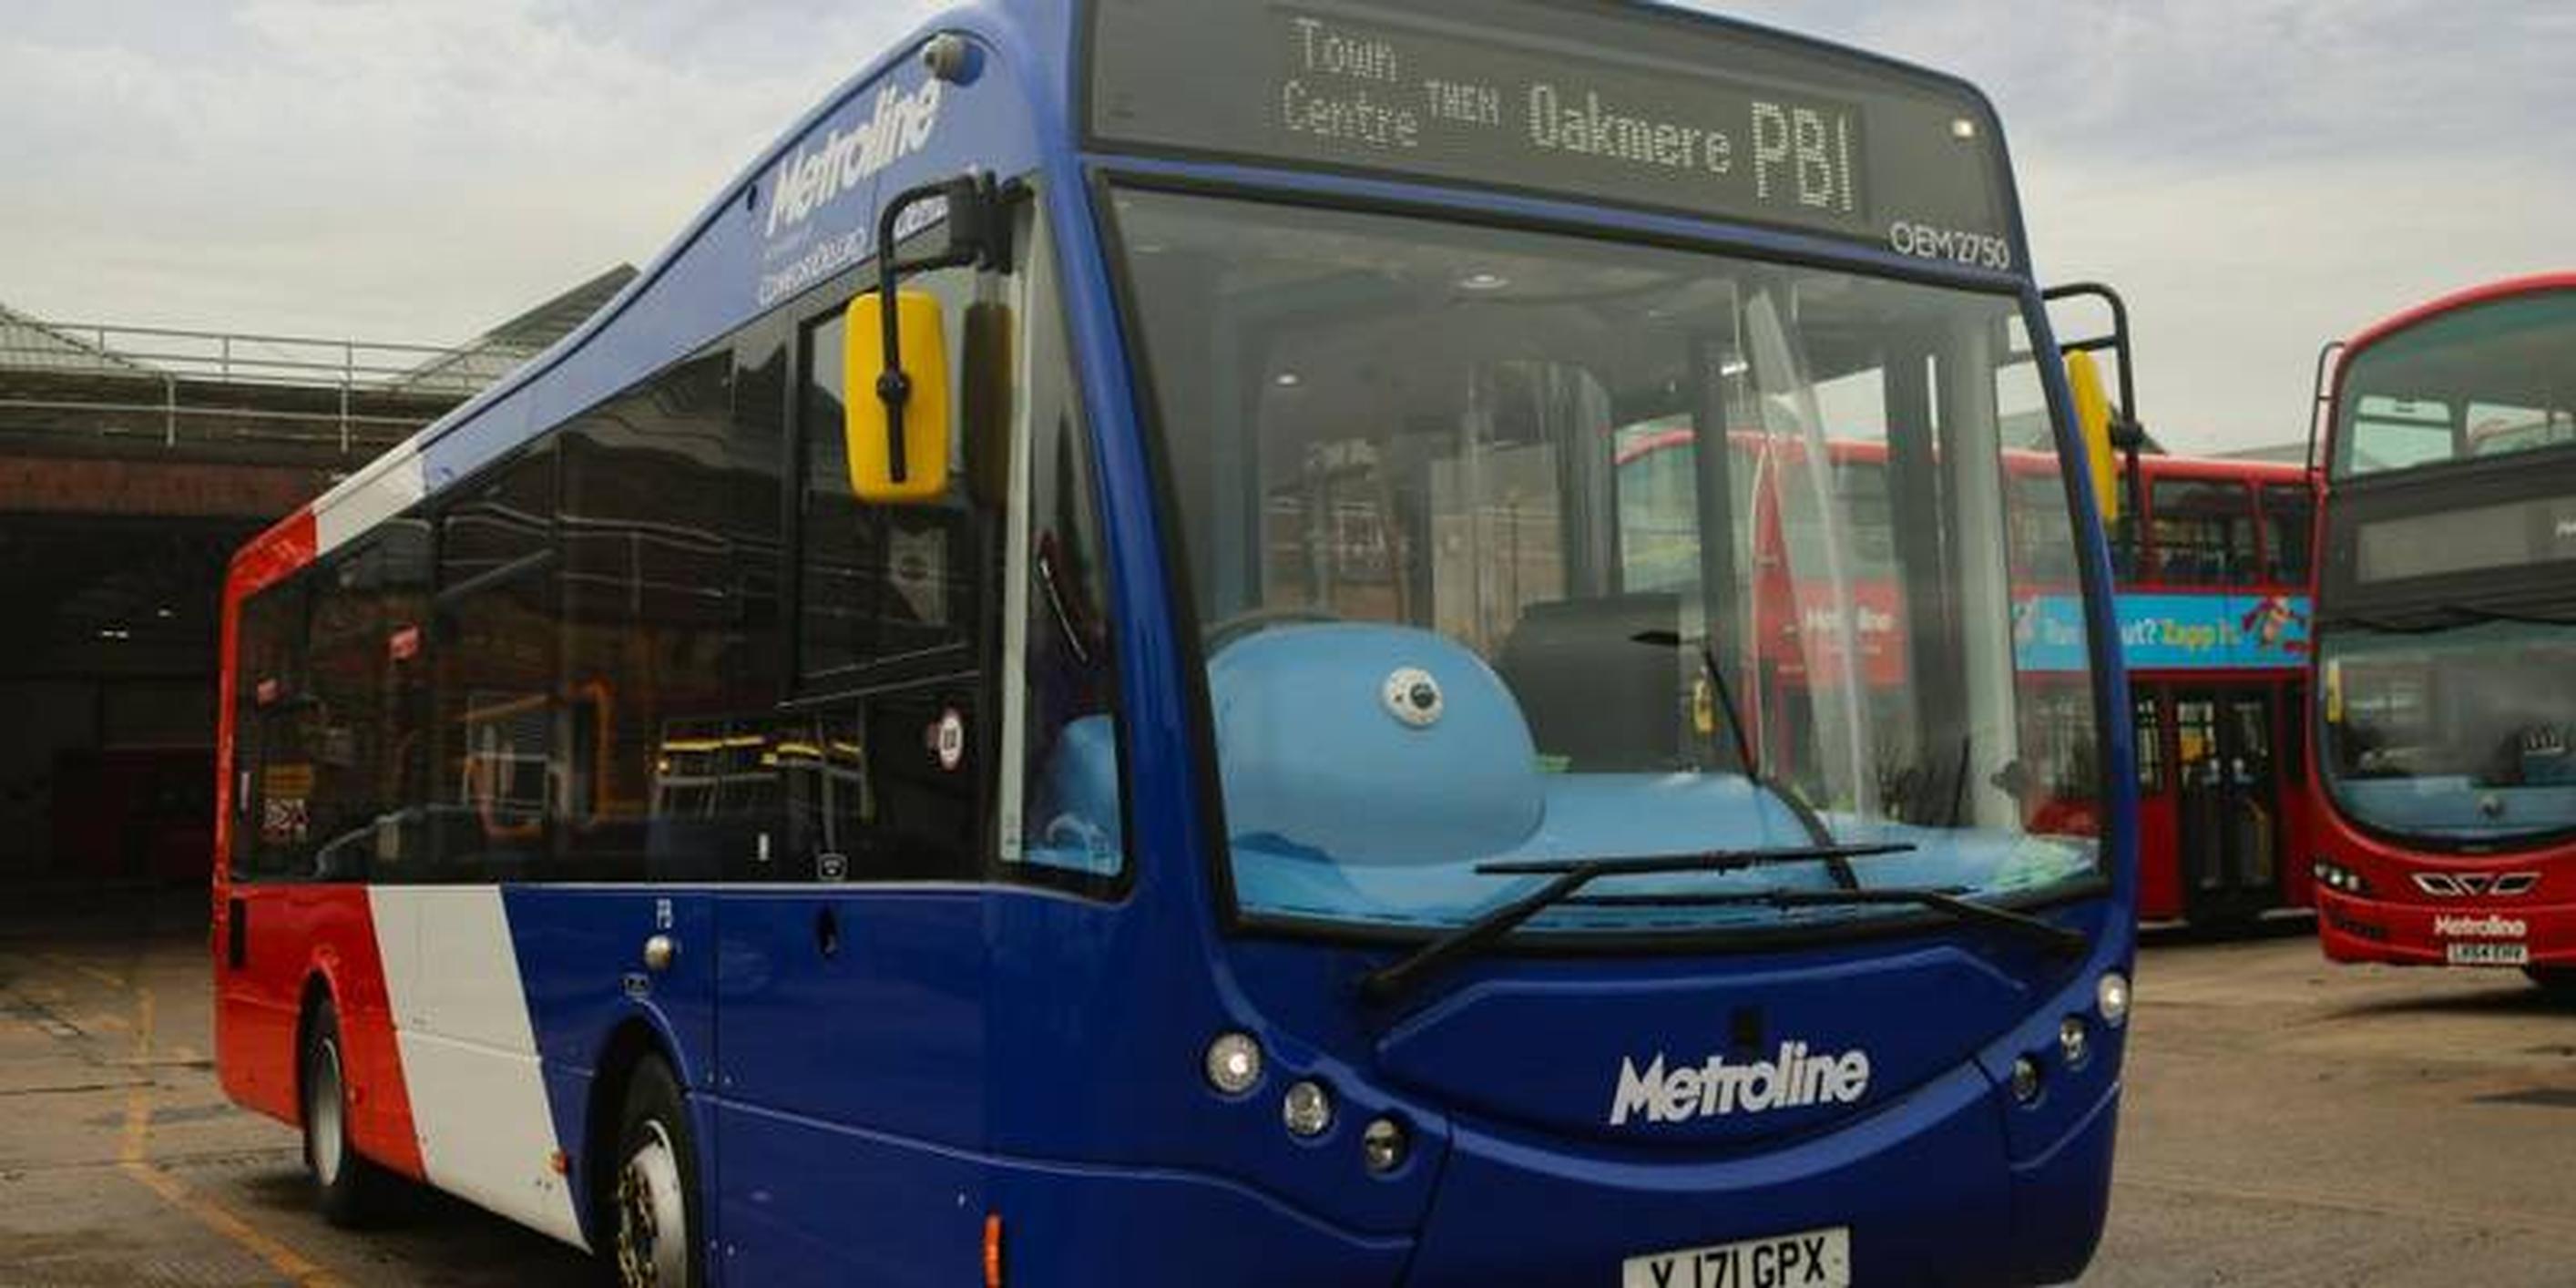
column 1227, row 630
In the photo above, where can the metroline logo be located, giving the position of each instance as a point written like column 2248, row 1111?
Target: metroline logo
column 1796, row 1078
column 897, row 126
column 2486, row 927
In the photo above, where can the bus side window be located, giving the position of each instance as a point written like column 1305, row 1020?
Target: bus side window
column 668, row 586
column 2289, row 514
column 886, row 763
column 370, row 688
column 273, row 766
column 1069, row 785
column 2124, row 545
column 2204, row 533
column 494, row 778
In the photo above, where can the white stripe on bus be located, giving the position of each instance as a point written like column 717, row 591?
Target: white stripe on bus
column 469, row 1053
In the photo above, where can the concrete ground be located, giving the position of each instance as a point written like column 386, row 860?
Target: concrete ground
column 2288, row 1123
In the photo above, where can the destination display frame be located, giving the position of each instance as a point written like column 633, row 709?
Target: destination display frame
column 1596, row 103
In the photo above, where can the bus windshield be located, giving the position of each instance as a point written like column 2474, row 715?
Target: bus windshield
column 2458, row 733
column 1469, row 591
column 2493, row 379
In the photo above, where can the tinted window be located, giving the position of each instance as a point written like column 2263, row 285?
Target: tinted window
column 886, row 770
column 2482, row 381
column 494, row 780
column 368, row 716
column 2289, row 514
column 669, row 623
column 2204, row 532
column 880, row 584
column 1070, row 807
column 2042, row 554
column 273, row 762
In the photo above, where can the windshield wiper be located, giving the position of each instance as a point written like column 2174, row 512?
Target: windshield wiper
column 1570, row 876
column 2055, row 938
column 1808, row 820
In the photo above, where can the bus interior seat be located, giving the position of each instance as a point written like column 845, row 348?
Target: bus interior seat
column 1593, row 692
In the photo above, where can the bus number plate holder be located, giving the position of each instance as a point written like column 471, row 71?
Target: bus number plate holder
column 2485, row 952
column 1807, row 1259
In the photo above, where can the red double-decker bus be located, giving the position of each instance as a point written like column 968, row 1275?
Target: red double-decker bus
column 2445, row 787
column 2214, row 581
column 2213, row 571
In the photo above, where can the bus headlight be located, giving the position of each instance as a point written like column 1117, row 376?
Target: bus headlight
column 1233, row 1063
column 2111, row 998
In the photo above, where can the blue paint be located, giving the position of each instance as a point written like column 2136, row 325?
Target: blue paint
column 867, row 1095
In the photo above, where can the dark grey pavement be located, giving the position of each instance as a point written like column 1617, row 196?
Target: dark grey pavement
column 2288, row 1123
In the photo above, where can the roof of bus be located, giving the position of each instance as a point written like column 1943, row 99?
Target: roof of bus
column 2460, row 299
column 715, row 253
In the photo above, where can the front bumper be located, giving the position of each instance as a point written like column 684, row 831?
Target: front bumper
column 2352, row 928
column 1922, row 1186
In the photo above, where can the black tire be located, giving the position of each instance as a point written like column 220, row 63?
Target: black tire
column 657, row 1153
column 2559, row 982
column 348, row 1188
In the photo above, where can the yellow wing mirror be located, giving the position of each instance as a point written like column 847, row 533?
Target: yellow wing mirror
column 2093, row 426
column 897, row 443
column 895, row 342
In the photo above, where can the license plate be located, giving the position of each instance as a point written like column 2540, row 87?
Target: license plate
column 2486, row 953
column 1807, row 1259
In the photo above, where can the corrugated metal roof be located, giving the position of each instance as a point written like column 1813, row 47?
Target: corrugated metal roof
column 497, row 352
column 27, row 344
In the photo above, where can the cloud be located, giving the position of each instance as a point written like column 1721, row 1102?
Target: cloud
column 2258, row 175
column 396, row 170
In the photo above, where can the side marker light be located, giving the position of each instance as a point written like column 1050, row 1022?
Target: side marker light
column 993, row 1250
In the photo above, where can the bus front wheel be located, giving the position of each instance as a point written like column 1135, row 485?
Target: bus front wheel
column 2558, row 982
column 347, row 1187
column 653, row 1212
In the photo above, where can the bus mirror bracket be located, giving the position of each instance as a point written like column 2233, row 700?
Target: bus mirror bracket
column 897, row 442
column 2121, row 430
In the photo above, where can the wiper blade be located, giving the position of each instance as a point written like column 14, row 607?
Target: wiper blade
column 1570, row 876
column 1808, row 820
column 2057, row 939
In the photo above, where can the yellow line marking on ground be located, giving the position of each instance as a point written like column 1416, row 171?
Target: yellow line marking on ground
column 138, row 1100
column 212, row 1215
column 109, row 978
column 133, row 1160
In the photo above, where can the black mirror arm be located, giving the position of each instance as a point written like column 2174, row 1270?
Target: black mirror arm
column 973, row 238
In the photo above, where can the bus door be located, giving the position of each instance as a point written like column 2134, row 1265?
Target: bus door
column 2227, row 801
column 850, row 1023
column 2297, row 891
column 2160, row 883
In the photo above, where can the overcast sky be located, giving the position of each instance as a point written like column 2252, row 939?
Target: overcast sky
column 2257, row 175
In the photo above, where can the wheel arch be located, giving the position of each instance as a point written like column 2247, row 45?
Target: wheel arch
column 634, row 1040
column 320, row 989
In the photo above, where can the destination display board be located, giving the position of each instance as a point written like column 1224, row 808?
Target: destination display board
column 1590, row 101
